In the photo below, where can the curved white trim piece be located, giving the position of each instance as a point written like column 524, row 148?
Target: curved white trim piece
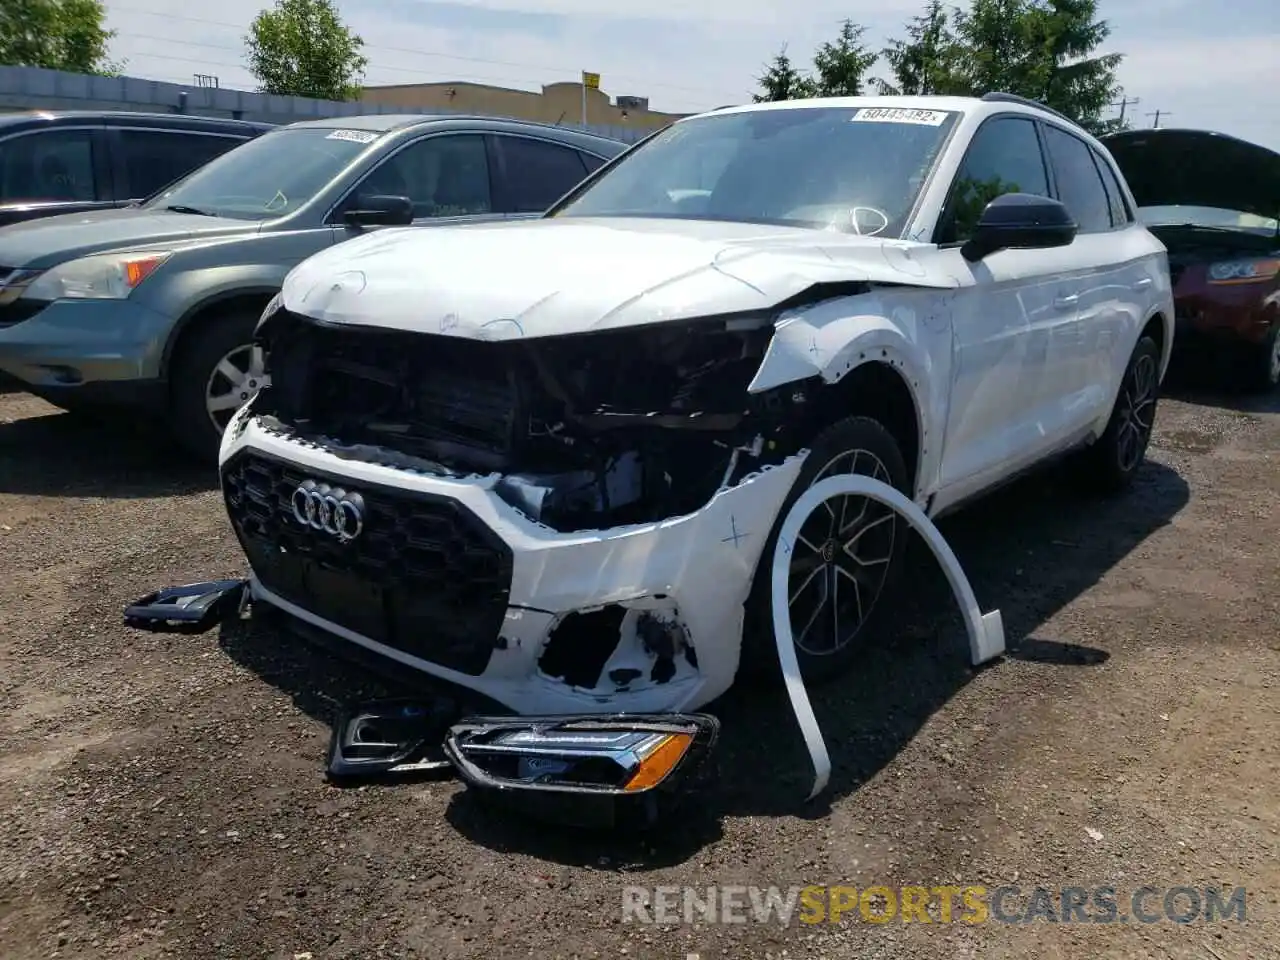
column 986, row 631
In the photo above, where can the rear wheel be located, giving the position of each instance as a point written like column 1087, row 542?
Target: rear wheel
column 1267, row 368
column 1111, row 463
column 846, row 562
column 216, row 371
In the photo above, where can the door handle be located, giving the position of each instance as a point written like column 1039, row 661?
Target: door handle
column 1067, row 302
column 1143, row 283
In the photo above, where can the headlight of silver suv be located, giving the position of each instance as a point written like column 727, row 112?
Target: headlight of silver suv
column 107, row 276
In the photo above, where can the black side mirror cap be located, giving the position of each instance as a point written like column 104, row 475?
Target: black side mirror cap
column 379, row 211
column 1020, row 221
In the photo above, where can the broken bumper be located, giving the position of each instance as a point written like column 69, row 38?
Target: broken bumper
column 449, row 579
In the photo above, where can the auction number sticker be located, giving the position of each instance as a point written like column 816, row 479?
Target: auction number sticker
column 355, row 136
column 929, row 118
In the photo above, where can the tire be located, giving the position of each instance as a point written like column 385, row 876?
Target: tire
column 1266, row 372
column 194, row 372
column 855, row 445
column 1114, row 459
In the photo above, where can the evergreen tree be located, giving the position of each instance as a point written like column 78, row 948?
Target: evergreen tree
column 926, row 62
column 841, row 66
column 782, row 81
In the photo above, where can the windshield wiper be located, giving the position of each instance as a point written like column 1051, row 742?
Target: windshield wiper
column 181, row 208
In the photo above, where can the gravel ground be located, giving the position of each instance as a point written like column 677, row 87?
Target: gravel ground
column 164, row 797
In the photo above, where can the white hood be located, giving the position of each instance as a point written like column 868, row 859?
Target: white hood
column 538, row 278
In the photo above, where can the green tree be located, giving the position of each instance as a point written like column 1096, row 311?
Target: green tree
column 57, row 35
column 1042, row 49
column 927, row 61
column 782, row 81
column 841, row 66
column 302, row 48
column 1067, row 74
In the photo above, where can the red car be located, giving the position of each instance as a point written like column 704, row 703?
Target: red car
column 1214, row 200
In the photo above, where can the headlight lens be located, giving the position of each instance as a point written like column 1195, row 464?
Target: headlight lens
column 111, row 276
column 1244, row 271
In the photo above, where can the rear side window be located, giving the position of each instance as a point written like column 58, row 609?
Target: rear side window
column 1079, row 183
column 47, row 165
column 153, row 159
column 1115, row 195
column 537, row 173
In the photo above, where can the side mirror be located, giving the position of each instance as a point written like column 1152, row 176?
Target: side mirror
column 1020, row 221
column 379, row 211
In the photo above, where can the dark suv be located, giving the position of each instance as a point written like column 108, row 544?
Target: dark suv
column 70, row 162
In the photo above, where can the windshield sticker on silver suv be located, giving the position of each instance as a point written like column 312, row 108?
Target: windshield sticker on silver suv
column 355, row 136
column 930, row 118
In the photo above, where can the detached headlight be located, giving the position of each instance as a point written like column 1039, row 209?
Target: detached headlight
column 108, row 276
column 1244, row 271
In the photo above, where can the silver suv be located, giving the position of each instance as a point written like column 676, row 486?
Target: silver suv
column 153, row 307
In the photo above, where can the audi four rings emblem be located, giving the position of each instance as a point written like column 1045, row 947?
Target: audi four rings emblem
column 329, row 509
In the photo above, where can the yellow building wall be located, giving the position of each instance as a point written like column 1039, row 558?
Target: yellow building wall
column 557, row 103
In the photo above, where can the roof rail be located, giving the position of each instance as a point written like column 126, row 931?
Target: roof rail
column 996, row 96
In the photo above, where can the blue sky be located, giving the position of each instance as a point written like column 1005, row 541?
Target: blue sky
column 1202, row 65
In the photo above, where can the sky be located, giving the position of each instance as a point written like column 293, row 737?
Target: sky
column 1201, row 65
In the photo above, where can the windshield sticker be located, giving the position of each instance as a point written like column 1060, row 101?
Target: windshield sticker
column 929, row 118
column 355, row 136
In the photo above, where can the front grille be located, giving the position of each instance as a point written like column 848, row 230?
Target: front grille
column 425, row 575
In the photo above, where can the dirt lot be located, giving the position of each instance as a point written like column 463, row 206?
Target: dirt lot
column 164, row 797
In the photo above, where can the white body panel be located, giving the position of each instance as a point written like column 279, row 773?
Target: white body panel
column 1009, row 361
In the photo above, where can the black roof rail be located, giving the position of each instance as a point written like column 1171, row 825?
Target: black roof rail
column 996, row 96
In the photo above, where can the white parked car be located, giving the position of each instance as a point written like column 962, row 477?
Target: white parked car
column 547, row 460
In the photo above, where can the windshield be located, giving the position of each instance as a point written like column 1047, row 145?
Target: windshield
column 1165, row 216
column 836, row 168
column 267, row 177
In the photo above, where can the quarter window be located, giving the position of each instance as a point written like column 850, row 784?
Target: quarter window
column 47, row 165
column 1004, row 157
column 1115, row 195
column 444, row 176
column 1079, row 183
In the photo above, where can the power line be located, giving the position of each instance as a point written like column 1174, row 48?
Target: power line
column 718, row 95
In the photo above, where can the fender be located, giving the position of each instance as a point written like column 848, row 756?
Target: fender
column 908, row 328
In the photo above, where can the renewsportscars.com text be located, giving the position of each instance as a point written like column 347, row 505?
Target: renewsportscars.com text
column 970, row 904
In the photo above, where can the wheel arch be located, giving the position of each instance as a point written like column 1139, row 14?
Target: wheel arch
column 244, row 298
column 878, row 371
column 880, row 388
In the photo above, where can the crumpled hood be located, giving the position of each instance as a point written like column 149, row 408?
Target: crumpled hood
column 551, row 277
column 40, row 244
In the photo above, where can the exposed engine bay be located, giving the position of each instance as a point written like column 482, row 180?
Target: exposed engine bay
column 588, row 431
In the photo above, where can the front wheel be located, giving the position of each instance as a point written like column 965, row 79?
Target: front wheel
column 846, row 562
column 215, row 372
column 1111, row 463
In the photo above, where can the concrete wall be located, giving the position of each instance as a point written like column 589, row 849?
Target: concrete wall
column 557, row 103
column 33, row 88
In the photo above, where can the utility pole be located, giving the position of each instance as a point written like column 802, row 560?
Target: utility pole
column 1158, row 114
column 1123, row 103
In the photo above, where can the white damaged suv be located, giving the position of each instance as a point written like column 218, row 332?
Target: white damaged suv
column 547, row 459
